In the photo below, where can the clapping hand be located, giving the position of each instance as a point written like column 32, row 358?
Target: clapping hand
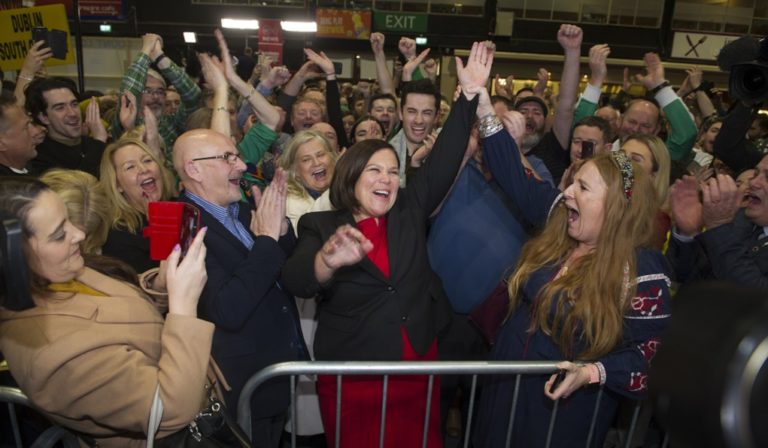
column 269, row 218
column 344, row 248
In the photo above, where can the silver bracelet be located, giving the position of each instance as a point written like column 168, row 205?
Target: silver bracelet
column 489, row 125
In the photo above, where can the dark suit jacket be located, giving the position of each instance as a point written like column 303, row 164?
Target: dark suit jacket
column 362, row 311
column 730, row 252
column 256, row 321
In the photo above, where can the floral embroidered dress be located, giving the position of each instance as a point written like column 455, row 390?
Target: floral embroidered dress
column 623, row 372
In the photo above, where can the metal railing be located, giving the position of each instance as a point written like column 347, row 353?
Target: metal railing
column 50, row 437
column 431, row 368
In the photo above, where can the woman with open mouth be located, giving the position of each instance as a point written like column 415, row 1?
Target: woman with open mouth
column 132, row 177
column 587, row 291
column 380, row 299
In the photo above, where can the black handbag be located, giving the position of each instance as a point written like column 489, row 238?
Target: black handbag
column 211, row 428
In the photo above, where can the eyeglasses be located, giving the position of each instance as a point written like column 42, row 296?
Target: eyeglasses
column 155, row 92
column 231, row 158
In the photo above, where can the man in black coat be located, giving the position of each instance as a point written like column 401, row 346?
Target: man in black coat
column 256, row 320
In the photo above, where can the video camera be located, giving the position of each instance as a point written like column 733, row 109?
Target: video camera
column 747, row 60
column 14, row 281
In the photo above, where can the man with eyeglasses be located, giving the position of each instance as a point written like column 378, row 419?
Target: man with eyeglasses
column 149, row 87
column 256, row 320
column 52, row 103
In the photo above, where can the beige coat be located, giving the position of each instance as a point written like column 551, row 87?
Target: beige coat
column 296, row 206
column 93, row 363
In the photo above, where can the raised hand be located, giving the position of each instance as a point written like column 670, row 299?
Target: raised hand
column 186, row 280
column 695, row 76
column 407, row 47
column 268, row 219
column 570, row 37
column 686, row 206
column 93, row 123
column 654, row 71
column 474, row 76
column 514, row 123
column 320, row 60
column 721, row 201
column 35, row 59
column 430, row 68
column 413, row 64
column 542, row 76
column 128, row 110
column 277, row 77
column 499, row 88
column 626, row 83
column 598, row 68
column 213, row 71
column 377, row 43
column 152, row 135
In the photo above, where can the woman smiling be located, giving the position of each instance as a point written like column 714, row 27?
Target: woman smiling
column 368, row 261
column 587, row 290
column 132, row 177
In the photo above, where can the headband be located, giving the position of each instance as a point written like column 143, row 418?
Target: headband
column 627, row 172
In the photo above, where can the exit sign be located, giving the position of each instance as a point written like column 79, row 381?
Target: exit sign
column 393, row 21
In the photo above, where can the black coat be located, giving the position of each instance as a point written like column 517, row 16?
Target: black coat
column 361, row 310
column 256, row 321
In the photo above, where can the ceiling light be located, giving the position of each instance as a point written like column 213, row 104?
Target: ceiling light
column 301, row 27
column 240, row 24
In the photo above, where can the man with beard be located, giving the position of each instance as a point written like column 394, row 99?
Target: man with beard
column 419, row 104
column 552, row 147
column 52, row 102
column 18, row 137
column 149, row 87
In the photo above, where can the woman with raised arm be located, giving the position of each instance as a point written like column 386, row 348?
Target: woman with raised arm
column 368, row 261
column 587, row 291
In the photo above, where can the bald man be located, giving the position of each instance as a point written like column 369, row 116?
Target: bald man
column 643, row 116
column 256, row 321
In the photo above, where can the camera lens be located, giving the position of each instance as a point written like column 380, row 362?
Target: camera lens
column 754, row 79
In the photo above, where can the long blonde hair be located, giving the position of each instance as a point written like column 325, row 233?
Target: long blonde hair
column 590, row 298
column 662, row 164
column 289, row 158
column 124, row 215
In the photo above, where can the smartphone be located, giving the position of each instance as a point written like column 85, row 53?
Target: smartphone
column 40, row 33
column 587, row 149
column 55, row 39
column 337, row 68
column 171, row 223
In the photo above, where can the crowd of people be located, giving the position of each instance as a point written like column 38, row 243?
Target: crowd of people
column 376, row 221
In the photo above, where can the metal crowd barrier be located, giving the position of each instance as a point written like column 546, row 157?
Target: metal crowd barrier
column 50, row 437
column 431, row 368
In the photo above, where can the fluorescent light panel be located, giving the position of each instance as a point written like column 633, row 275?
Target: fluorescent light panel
column 240, row 24
column 190, row 37
column 301, row 27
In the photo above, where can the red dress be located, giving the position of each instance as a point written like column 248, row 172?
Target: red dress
column 361, row 395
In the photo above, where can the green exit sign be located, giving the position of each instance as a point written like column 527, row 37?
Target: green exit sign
column 395, row 21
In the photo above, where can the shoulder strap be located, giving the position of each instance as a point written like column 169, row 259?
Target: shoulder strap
column 155, row 415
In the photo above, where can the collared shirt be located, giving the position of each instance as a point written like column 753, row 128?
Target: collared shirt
column 227, row 216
